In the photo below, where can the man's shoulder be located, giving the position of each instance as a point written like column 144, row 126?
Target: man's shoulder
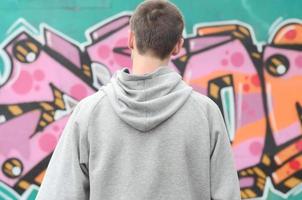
column 93, row 99
column 86, row 105
column 203, row 102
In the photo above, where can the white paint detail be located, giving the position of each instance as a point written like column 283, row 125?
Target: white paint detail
column 30, row 57
column 101, row 74
column 281, row 69
column 16, row 171
column 2, row 119
column 229, row 117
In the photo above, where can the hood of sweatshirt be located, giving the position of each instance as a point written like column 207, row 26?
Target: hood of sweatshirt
column 145, row 101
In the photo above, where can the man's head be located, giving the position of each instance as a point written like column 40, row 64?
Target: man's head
column 156, row 29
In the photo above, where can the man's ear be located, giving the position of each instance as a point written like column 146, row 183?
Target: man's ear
column 130, row 40
column 178, row 47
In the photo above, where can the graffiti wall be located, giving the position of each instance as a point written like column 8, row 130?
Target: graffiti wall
column 256, row 85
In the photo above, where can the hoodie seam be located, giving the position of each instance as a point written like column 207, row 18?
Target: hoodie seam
column 201, row 109
column 212, row 105
column 146, row 114
column 102, row 95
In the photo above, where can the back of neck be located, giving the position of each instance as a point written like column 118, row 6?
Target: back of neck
column 143, row 64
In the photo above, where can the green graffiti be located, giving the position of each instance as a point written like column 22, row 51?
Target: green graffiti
column 1, row 67
column 276, row 196
column 270, row 193
column 229, row 110
column 7, row 193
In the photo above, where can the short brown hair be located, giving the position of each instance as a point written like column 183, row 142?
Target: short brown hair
column 157, row 26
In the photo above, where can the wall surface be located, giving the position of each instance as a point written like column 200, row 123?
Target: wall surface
column 246, row 55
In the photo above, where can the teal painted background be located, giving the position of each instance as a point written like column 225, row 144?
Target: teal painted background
column 73, row 17
column 78, row 15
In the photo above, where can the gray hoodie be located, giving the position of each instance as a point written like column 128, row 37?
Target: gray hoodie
column 143, row 137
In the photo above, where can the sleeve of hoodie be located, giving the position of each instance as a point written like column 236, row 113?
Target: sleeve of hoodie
column 66, row 177
column 223, row 173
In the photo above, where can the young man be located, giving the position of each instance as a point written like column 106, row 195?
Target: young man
column 146, row 135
